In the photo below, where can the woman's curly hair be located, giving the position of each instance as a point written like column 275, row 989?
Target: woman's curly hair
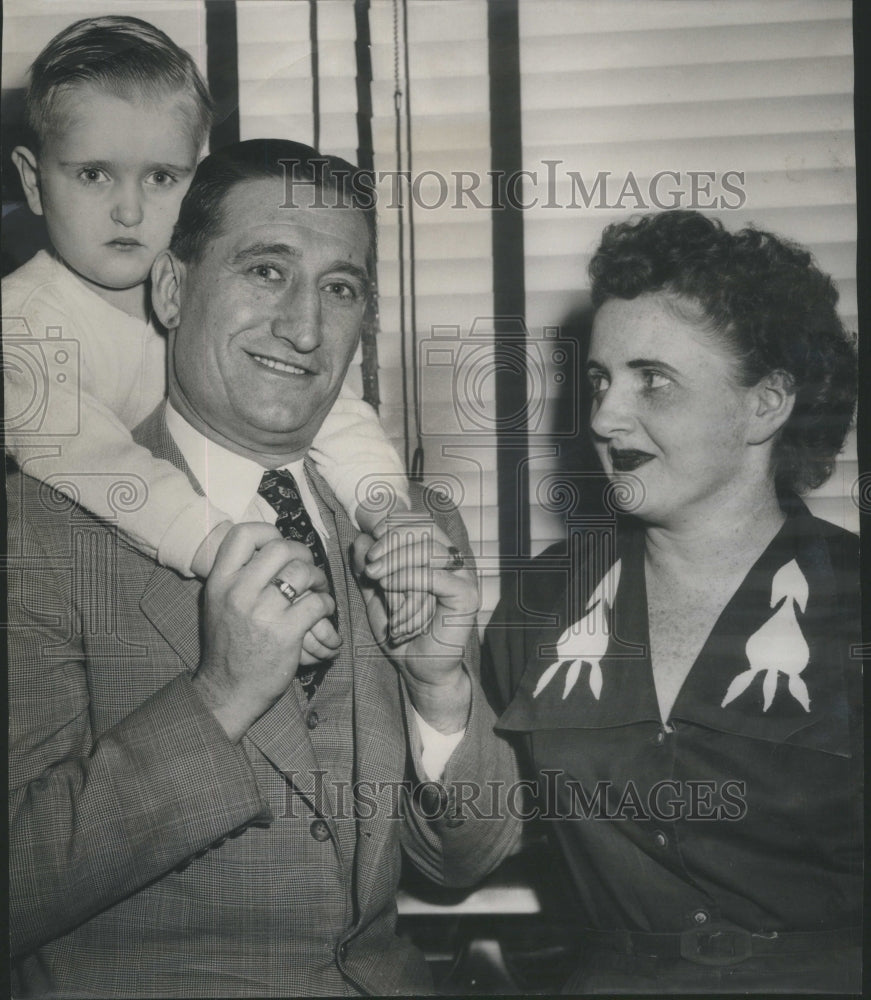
column 769, row 303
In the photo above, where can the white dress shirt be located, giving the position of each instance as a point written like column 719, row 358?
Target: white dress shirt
column 233, row 478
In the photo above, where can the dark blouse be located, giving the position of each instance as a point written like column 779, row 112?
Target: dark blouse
column 745, row 808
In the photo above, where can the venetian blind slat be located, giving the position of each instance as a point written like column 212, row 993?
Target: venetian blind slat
column 450, row 123
column 657, row 91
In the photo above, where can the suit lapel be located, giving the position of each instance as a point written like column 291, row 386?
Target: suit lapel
column 379, row 731
column 281, row 734
column 282, row 737
column 169, row 601
column 172, row 605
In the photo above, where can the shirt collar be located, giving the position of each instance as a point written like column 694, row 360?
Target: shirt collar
column 229, row 480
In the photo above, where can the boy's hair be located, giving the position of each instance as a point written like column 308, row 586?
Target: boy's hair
column 127, row 57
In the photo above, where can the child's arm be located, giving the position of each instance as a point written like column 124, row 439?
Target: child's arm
column 363, row 469
column 353, row 454
column 89, row 455
column 62, row 434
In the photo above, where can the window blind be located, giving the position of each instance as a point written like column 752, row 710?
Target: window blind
column 609, row 89
column 447, row 87
column 756, row 96
column 448, row 91
column 276, row 73
column 616, row 88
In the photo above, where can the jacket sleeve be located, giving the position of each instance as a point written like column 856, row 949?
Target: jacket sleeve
column 92, row 819
column 460, row 828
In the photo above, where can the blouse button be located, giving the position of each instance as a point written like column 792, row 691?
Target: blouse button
column 701, row 917
column 660, row 840
column 660, row 738
column 312, row 720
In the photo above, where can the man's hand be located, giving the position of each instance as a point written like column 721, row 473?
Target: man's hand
column 252, row 635
column 404, row 561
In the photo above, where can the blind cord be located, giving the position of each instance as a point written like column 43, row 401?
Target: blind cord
column 414, row 462
column 417, row 462
column 316, row 73
column 366, row 161
column 403, row 336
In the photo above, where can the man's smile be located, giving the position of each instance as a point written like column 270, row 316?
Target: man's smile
column 280, row 366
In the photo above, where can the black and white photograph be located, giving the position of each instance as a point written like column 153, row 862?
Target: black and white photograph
column 434, row 482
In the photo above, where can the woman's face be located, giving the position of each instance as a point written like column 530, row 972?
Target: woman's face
column 667, row 409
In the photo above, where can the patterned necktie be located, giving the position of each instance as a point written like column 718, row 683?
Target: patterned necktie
column 281, row 492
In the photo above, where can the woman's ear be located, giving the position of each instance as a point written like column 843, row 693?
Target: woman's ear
column 167, row 273
column 27, row 166
column 773, row 398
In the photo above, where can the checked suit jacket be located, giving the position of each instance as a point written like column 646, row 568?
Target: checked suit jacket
column 149, row 856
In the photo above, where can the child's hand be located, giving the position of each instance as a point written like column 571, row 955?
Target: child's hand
column 319, row 643
column 411, row 610
column 204, row 558
column 410, row 614
column 367, row 519
column 396, row 505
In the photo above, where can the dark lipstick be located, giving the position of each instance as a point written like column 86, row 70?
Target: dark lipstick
column 627, row 459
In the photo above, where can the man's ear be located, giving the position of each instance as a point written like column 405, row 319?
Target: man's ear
column 166, row 276
column 28, row 170
column 773, row 398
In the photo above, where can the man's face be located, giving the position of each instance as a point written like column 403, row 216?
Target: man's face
column 269, row 320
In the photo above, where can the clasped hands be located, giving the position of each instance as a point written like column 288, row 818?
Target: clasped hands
column 257, row 633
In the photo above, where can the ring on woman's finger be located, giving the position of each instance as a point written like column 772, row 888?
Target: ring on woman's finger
column 285, row 588
column 456, row 558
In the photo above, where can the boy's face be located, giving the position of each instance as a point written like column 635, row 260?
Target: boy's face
column 111, row 180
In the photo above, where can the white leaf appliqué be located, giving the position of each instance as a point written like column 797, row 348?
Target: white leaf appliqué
column 586, row 640
column 778, row 646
